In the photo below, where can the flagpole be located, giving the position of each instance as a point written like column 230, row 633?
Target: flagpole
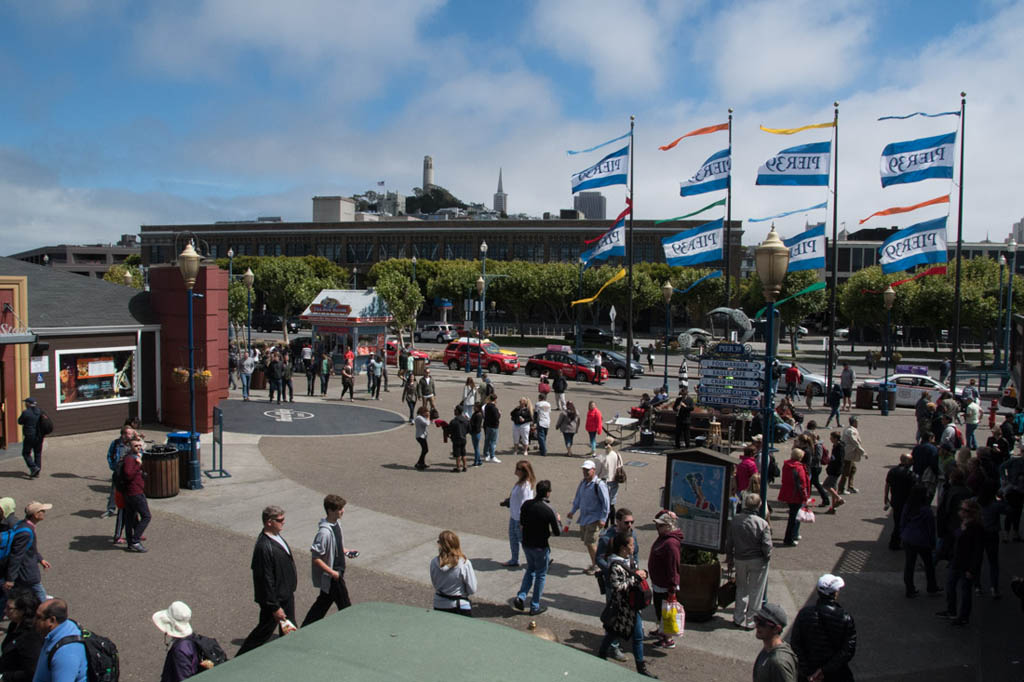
column 728, row 221
column 959, row 244
column 629, row 257
column 835, row 254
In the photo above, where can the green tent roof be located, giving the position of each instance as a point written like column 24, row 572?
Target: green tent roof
column 375, row 641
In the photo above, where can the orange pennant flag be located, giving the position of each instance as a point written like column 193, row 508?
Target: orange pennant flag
column 699, row 131
column 905, row 209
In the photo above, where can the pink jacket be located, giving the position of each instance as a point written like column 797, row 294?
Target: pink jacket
column 744, row 470
column 594, row 421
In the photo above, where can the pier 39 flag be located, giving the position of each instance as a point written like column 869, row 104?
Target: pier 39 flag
column 612, row 243
column 807, row 164
column 807, row 249
column 611, row 170
column 700, row 245
column 929, row 157
column 921, row 243
column 712, row 175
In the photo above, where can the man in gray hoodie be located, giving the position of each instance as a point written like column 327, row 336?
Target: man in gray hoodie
column 329, row 554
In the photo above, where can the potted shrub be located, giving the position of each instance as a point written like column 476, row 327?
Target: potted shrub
column 700, row 574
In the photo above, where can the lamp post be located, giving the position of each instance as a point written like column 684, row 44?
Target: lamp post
column 127, row 278
column 355, row 277
column 248, row 278
column 414, row 269
column 1012, row 246
column 666, row 293
column 772, row 260
column 579, row 312
column 231, row 278
column 888, row 298
column 481, row 288
column 999, row 317
column 188, row 263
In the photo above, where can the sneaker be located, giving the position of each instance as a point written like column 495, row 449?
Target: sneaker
column 118, row 541
column 655, row 633
column 853, row 490
column 137, row 547
column 537, row 611
column 667, row 643
column 107, row 514
column 840, row 502
column 518, row 604
column 510, row 564
column 35, row 473
column 616, row 653
column 495, row 460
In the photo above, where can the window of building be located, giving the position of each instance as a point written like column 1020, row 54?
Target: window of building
column 858, row 259
column 95, row 376
column 844, row 259
column 360, row 250
column 422, row 248
column 213, row 250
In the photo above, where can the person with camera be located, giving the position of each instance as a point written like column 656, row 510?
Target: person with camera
column 328, row 554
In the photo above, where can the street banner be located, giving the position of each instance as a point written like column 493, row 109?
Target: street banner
column 613, row 243
column 699, row 131
column 921, row 243
column 713, row 175
column 611, row 170
column 916, row 160
column 944, row 199
column 615, row 278
column 807, row 164
column 807, row 249
column 700, row 245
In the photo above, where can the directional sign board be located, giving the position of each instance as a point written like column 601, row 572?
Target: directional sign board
column 747, row 403
column 731, row 382
column 733, row 364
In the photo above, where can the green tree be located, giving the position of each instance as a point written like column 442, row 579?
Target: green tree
column 116, row 275
column 796, row 310
column 557, row 284
column 238, row 306
column 403, row 299
column 517, row 291
column 289, row 285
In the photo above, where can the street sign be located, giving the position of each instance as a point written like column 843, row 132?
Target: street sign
column 730, row 348
column 737, row 373
column 732, row 402
column 730, row 382
column 712, row 391
column 611, row 314
column 732, row 364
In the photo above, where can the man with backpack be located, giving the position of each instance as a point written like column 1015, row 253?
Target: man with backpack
column 63, row 657
column 32, row 437
column 25, row 559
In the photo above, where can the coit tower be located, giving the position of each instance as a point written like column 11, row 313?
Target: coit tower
column 428, row 172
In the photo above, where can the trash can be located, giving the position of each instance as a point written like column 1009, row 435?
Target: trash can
column 891, row 394
column 865, row 398
column 418, row 366
column 259, row 380
column 179, row 441
column 160, row 465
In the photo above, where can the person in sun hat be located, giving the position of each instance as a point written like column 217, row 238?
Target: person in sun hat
column 182, row 660
column 776, row 661
column 824, row 636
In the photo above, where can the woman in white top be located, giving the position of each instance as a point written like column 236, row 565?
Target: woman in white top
column 521, row 492
column 608, row 465
column 468, row 397
column 452, row 576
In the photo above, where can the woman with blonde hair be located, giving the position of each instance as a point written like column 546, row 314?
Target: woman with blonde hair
column 522, row 418
column 522, row 491
column 452, row 576
column 468, row 397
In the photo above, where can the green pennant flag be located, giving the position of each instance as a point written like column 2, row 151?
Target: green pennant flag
column 817, row 286
column 720, row 202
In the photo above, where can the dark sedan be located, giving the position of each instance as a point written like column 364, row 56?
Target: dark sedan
column 614, row 362
column 593, row 335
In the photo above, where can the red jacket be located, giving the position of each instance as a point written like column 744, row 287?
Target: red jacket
column 663, row 561
column 795, row 483
column 133, row 475
column 792, row 375
column 594, row 421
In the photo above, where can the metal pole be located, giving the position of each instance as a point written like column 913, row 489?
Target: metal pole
column 999, row 335
column 194, row 481
column 483, row 305
column 767, row 431
column 959, row 247
column 668, row 318
column 231, row 278
column 469, row 344
column 579, row 311
column 248, row 324
column 835, row 258
column 883, row 398
column 728, row 230
column 1009, row 303
column 629, row 258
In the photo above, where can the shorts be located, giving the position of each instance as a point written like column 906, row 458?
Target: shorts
column 590, row 533
column 830, row 482
column 847, row 392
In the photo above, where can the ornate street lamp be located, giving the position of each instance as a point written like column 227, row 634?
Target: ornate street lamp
column 481, row 289
column 888, row 298
column 1011, row 263
column 772, row 260
column 231, row 278
column 666, row 293
column 127, row 277
column 999, row 317
column 188, row 264
column 248, row 278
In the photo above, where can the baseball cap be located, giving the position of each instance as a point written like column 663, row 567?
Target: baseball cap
column 830, row 584
column 665, row 518
column 7, row 505
column 33, row 507
column 773, row 613
column 589, row 464
column 30, row 400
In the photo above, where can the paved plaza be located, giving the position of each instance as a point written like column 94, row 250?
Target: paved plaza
column 200, row 542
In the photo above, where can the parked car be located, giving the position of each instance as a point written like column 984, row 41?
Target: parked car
column 441, row 332
column 842, row 333
column 614, row 362
column 594, row 335
column 806, row 377
column 494, row 359
column 270, row 322
column 391, row 351
column 571, row 365
column 909, row 388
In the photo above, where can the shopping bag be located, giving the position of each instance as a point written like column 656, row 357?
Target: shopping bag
column 673, row 618
column 727, row 593
column 805, row 515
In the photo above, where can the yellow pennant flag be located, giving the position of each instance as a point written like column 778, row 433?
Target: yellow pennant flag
column 615, row 278
column 790, row 131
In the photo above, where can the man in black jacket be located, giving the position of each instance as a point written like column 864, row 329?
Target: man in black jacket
column 559, row 385
column 683, row 407
column 824, row 636
column 898, row 483
column 457, row 430
column 539, row 522
column 492, row 418
column 273, row 580
column 31, row 438
column 965, row 564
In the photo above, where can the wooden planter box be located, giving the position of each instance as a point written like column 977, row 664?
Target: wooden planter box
column 698, row 590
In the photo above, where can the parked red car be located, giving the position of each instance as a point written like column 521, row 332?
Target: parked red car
column 571, row 365
column 392, row 352
column 494, row 359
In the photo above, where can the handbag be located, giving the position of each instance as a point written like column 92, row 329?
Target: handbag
column 727, row 593
column 673, row 617
column 805, row 515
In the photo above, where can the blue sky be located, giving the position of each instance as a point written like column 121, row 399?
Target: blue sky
column 122, row 113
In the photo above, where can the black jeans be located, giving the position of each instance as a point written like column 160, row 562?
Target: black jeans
column 30, row 446
column 423, row 451
column 792, row 525
column 324, row 380
column 136, row 517
column 682, row 433
column 338, row 596
column 264, row 629
column 911, row 555
column 310, row 383
column 346, row 386
column 287, row 387
column 894, row 538
column 816, row 482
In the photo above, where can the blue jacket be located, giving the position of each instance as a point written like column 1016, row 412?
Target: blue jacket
column 69, row 664
column 117, row 450
column 917, row 527
column 592, row 501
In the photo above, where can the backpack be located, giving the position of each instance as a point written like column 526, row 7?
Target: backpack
column 958, row 438
column 45, row 425
column 100, row 655
column 208, row 649
column 120, row 480
column 639, row 595
column 7, row 541
column 825, row 457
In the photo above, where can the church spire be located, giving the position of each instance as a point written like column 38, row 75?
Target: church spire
column 500, row 191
